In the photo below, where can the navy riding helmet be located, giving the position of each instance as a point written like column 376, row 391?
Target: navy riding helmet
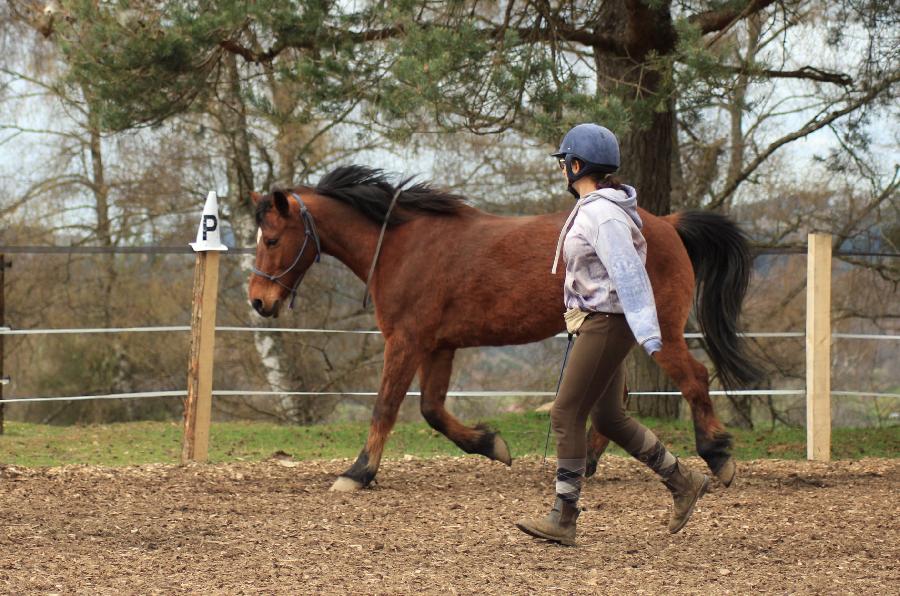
column 594, row 146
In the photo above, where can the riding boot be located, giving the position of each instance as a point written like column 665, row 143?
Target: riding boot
column 686, row 487
column 558, row 525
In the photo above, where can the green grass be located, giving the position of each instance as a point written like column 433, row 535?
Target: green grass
column 149, row 442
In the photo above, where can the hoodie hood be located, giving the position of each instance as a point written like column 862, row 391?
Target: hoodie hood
column 625, row 199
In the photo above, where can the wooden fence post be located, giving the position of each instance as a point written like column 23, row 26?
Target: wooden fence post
column 198, row 404
column 818, row 348
column 3, row 266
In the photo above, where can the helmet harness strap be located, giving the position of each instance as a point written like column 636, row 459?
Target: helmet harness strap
column 587, row 169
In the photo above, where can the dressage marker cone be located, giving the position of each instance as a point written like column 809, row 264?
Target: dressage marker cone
column 208, row 232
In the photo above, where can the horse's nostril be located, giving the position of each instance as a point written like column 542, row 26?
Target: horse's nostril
column 257, row 305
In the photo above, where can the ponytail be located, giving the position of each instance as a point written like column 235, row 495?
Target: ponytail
column 610, row 181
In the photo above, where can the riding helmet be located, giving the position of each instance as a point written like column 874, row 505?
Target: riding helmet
column 594, row 146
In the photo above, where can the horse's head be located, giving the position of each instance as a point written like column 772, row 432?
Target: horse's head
column 287, row 244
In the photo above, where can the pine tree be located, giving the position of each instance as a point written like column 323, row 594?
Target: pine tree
column 531, row 67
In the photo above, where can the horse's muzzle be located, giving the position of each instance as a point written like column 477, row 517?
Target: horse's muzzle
column 259, row 307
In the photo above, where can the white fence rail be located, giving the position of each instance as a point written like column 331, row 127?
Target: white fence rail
column 818, row 336
column 183, row 328
column 513, row 393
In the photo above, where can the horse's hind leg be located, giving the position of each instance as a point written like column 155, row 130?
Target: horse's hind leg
column 596, row 446
column 435, row 379
column 597, row 443
column 400, row 362
column 713, row 441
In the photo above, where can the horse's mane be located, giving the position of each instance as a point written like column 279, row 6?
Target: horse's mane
column 369, row 191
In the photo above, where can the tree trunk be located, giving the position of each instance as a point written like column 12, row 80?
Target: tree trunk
column 647, row 162
column 647, row 148
column 280, row 371
column 233, row 117
column 116, row 363
column 289, row 136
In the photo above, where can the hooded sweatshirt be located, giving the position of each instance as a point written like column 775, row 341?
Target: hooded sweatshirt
column 605, row 253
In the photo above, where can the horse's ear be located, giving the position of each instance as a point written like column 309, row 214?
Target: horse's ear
column 281, row 203
column 255, row 197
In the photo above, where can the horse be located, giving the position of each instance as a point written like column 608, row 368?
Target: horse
column 450, row 276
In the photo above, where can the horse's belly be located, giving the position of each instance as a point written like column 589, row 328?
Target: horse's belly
column 502, row 321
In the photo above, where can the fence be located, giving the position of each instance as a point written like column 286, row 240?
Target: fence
column 199, row 392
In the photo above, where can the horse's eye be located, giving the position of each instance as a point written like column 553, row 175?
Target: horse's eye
column 271, row 242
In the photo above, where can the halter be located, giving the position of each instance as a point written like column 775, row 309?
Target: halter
column 309, row 225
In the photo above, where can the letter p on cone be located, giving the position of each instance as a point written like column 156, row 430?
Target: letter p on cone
column 208, row 233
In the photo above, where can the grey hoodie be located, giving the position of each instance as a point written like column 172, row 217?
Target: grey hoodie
column 605, row 253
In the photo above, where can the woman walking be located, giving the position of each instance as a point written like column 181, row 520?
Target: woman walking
column 610, row 307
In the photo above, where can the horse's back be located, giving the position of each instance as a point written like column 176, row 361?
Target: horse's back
column 481, row 279
column 494, row 285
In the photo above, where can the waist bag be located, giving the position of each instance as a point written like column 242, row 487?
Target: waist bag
column 574, row 319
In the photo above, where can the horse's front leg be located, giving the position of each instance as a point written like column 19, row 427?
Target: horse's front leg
column 401, row 359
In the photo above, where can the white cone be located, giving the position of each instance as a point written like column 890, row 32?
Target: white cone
column 208, row 232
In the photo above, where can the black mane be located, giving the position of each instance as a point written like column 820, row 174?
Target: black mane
column 369, row 191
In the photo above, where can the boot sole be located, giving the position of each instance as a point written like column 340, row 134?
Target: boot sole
column 539, row 534
column 690, row 512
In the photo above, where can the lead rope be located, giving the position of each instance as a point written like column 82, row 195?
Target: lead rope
column 387, row 216
column 558, row 384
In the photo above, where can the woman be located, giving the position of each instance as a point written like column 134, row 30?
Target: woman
column 610, row 308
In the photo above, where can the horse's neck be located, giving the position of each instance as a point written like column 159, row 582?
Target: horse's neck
column 351, row 237
column 346, row 234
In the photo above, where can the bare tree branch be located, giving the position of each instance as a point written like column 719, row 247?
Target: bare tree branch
column 889, row 192
column 811, row 126
column 721, row 19
column 807, row 72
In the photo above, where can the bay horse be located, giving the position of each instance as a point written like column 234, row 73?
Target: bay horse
column 450, row 276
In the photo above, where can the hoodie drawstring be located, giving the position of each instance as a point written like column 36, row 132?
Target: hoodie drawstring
column 562, row 234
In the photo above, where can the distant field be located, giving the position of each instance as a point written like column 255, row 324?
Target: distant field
column 159, row 442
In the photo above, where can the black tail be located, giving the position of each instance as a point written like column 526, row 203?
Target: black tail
column 722, row 262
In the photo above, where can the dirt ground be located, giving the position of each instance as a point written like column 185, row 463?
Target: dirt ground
column 443, row 526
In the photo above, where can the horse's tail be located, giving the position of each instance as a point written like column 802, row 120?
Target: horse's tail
column 721, row 257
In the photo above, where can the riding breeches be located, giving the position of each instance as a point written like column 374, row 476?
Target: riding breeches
column 593, row 384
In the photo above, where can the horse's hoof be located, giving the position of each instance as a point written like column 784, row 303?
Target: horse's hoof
column 501, row 451
column 726, row 472
column 346, row 485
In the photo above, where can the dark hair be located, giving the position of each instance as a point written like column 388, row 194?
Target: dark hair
column 608, row 181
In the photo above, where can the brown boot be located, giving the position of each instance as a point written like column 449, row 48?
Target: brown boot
column 687, row 487
column 558, row 525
